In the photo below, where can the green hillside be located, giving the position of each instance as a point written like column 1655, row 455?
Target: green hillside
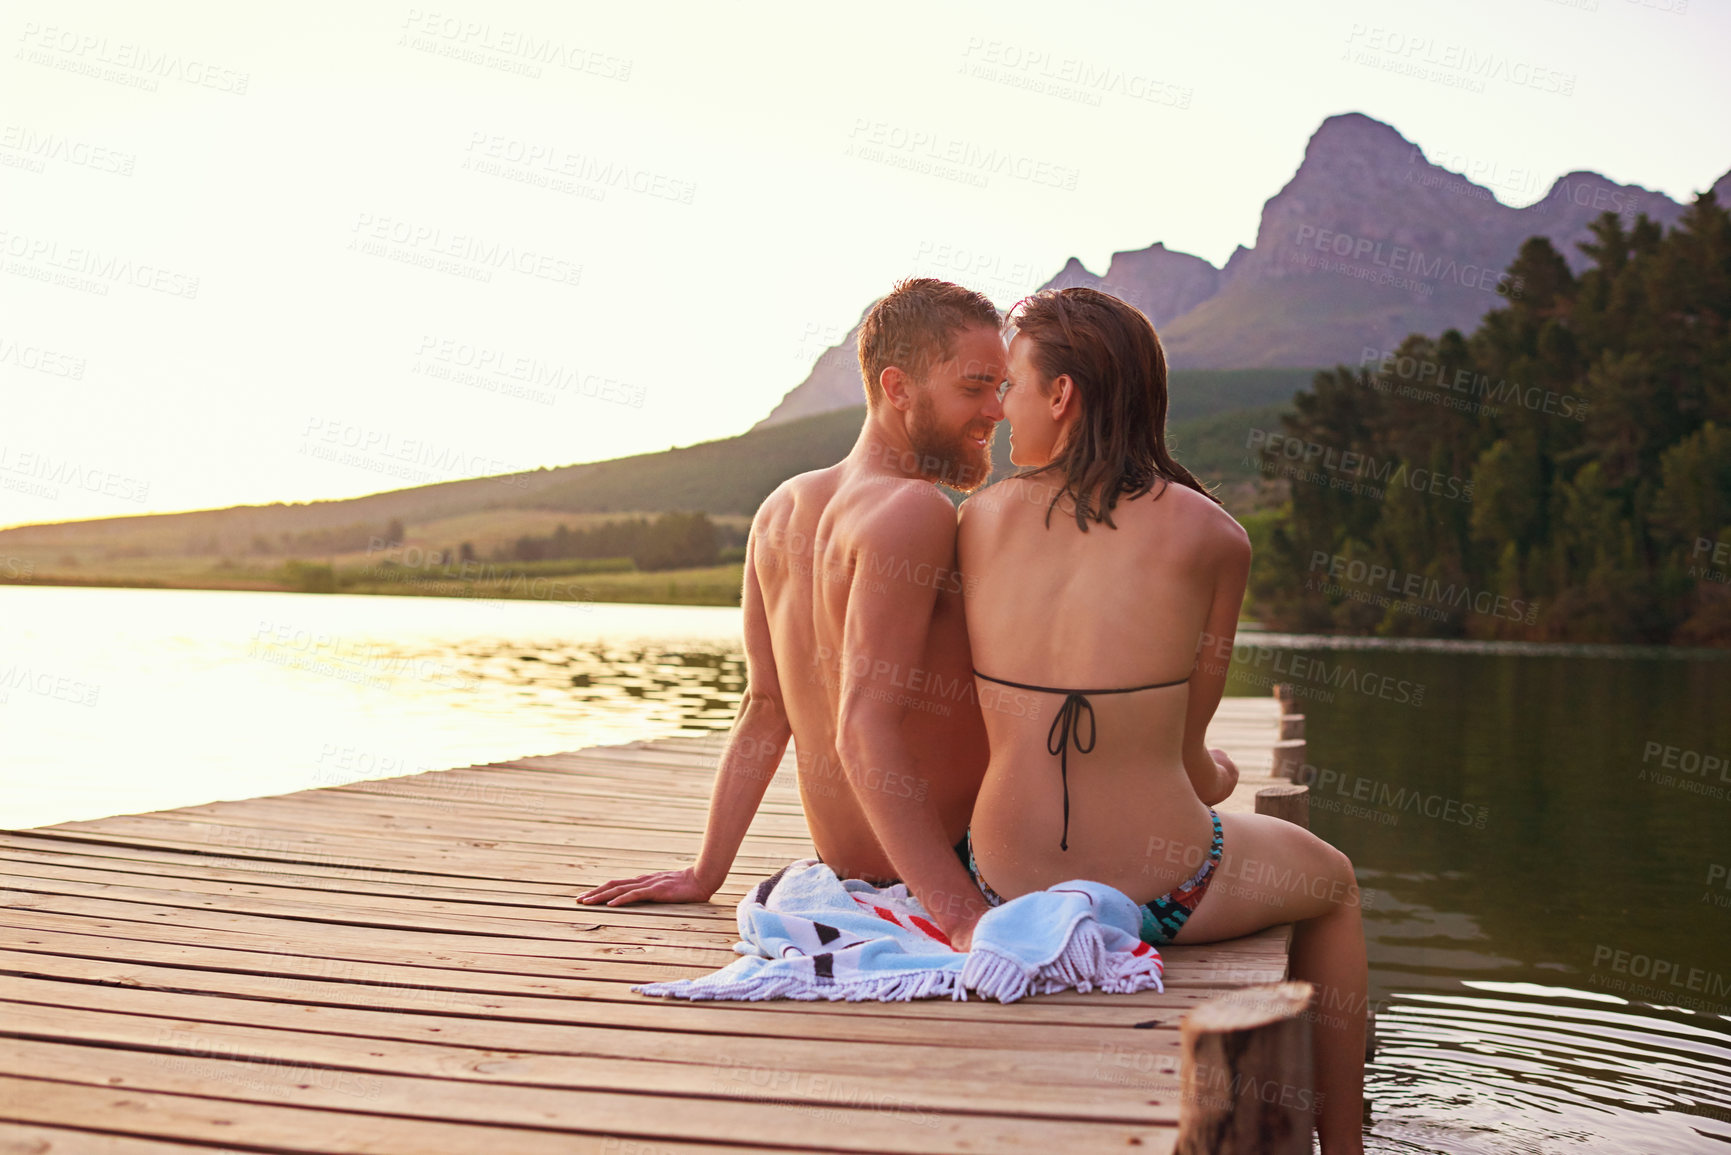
column 269, row 546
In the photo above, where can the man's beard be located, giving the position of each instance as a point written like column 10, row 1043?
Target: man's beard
column 952, row 457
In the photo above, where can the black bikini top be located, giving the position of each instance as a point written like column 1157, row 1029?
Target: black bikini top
column 1065, row 731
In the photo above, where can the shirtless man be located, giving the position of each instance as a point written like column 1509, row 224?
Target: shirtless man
column 854, row 635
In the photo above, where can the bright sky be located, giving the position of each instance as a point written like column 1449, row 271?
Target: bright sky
column 254, row 255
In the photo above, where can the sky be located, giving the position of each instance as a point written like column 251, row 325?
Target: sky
column 262, row 254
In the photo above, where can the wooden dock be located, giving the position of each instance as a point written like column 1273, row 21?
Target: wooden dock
column 399, row 966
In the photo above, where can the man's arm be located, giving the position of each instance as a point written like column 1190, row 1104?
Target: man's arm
column 888, row 620
column 1211, row 771
column 754, row 749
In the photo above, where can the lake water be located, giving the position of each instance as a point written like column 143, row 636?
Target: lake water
column 1544, row 836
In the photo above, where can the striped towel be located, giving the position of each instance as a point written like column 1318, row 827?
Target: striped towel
column 810, row 935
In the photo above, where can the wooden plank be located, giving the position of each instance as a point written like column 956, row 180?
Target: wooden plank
column 378, row 988
column 32, row 1139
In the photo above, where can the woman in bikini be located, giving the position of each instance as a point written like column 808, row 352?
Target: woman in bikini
column 1104, row 585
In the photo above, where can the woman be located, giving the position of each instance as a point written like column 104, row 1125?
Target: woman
column 1095, row 578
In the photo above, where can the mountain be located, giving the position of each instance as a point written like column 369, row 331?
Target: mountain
column 1368, row 242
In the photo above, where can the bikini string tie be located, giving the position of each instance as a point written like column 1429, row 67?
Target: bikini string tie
column 1066, row 731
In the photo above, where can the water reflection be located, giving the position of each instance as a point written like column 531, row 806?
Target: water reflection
column 1551, row 969
column 189, row 696
column 695, row 690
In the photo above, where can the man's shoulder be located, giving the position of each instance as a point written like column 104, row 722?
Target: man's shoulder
column 800, row 487
column 900, row 514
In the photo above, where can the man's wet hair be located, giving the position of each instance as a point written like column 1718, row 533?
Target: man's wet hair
column 914, row 328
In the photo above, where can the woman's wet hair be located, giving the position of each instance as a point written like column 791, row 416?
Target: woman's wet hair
column 1109, row 350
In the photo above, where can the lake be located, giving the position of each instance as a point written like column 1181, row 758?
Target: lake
column 1543, row 834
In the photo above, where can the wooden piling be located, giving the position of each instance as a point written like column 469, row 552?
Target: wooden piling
column 1289, row 758
column 1247, row 1084
column 1288, row 800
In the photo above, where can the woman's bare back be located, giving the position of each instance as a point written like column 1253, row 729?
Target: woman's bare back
column 1107, row 609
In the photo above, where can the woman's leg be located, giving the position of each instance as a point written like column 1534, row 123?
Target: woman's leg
column 1272, row 871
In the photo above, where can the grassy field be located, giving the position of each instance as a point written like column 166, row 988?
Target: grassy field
column 575, row 580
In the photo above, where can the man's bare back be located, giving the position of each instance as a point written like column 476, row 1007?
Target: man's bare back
column 855, row 643
column 813, row 557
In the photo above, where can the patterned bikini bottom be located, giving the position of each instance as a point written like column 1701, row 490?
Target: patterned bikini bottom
column 1161, row 918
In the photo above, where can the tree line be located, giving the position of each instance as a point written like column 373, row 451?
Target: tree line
column 1563, row 474
column 671, row 541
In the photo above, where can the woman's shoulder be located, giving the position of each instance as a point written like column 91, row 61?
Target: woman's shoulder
column 1005, row 495
column 1183, row 511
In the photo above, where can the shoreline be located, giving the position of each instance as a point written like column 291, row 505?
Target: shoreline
column 690, row 587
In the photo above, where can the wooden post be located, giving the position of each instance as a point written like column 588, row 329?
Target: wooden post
column 1284, row 695
column 1246, row 1076
column 1289, row 758
column 1292, row 725
column 1290, row 801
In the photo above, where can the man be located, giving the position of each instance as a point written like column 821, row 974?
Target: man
column 854, row 635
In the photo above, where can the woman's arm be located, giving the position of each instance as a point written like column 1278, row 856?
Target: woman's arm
column 1228, row 558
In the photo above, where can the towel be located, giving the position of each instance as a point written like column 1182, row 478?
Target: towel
column 810, row 935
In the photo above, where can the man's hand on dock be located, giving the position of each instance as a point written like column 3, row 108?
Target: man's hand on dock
column 660, row 886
